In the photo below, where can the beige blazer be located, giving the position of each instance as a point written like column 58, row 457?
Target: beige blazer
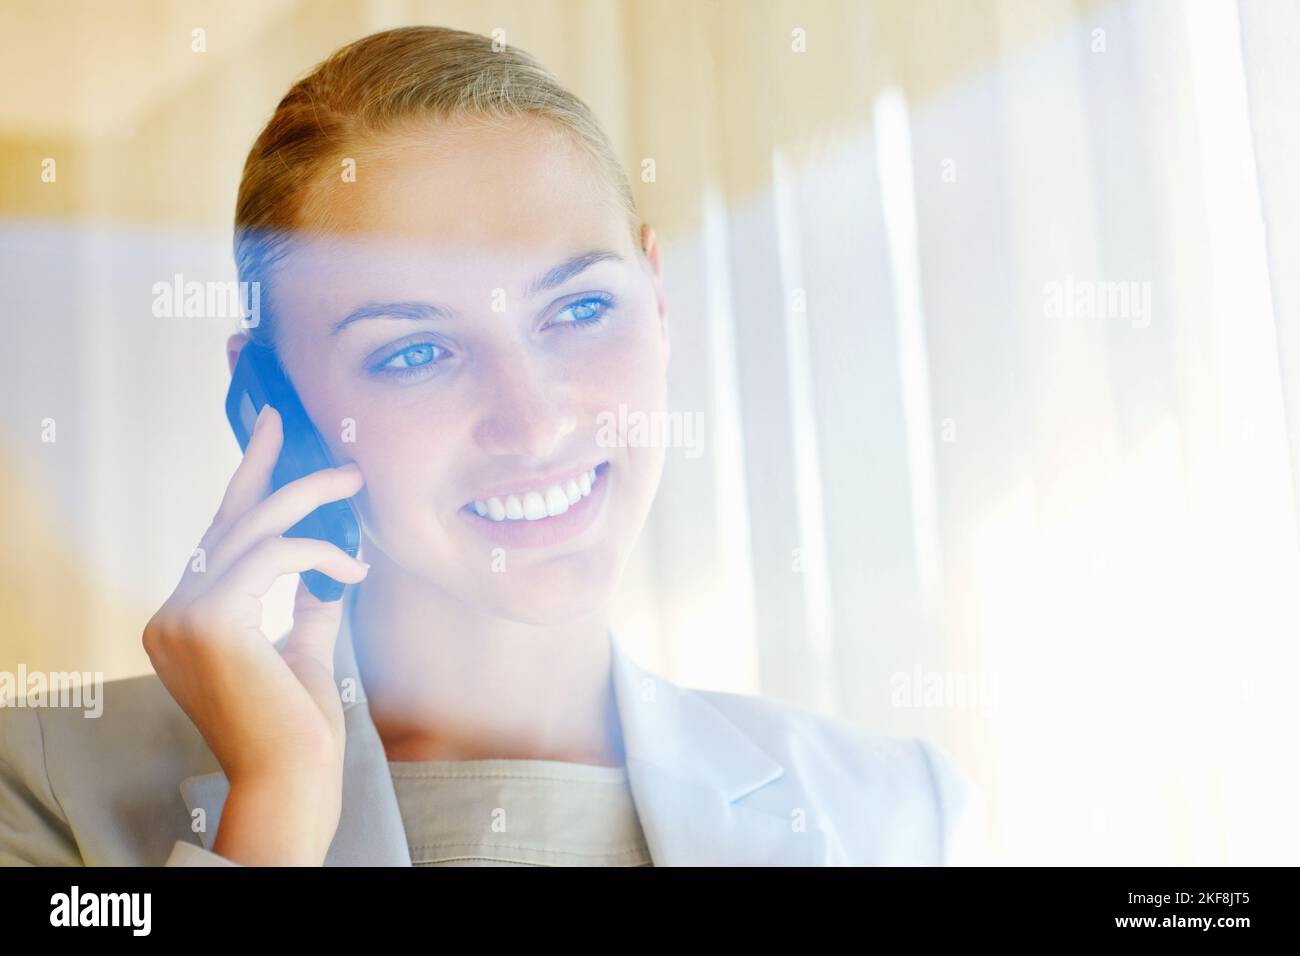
column 717, row 779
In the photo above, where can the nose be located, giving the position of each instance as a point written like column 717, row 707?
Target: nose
column 525, row 414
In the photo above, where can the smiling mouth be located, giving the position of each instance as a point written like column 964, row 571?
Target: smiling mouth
column 539, row 503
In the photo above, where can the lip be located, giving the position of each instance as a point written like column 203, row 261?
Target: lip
column 546, row 532
column 519, row 486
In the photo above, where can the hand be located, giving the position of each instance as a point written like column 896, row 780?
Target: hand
column 273, row 719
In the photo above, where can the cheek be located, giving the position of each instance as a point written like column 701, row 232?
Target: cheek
column 403, row 451
column 627, row 369
column 632, row 382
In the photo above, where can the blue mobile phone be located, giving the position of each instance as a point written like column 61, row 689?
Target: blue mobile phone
column 258, row 380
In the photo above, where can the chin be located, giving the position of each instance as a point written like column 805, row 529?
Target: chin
column 553, row 594
column 557, row 611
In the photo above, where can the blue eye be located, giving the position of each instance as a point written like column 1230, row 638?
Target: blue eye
column 410, row 360
column 590, row 310
column 421, row 358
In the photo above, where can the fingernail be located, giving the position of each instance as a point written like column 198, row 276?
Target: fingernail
column 263, row 416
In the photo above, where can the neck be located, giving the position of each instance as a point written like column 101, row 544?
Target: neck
column 446, row 682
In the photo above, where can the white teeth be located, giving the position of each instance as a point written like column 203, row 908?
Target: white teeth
column 557, row 502
column 534, row 505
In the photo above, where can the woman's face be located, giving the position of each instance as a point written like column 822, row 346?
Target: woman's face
column 479, row 311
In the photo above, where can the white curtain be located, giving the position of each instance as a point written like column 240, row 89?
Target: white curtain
column 1000, row 378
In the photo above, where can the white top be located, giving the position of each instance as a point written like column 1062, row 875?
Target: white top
column 504, row 812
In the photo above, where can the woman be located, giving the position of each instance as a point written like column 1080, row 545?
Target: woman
column 454, row 276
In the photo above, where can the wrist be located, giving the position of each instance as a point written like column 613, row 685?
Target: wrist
column 283, row 820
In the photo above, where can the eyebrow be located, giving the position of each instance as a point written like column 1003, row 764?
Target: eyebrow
column 553, row 277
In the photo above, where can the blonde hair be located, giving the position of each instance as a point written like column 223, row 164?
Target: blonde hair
column 377, row 86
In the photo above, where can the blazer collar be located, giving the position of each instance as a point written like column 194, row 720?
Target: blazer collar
column 688, row 768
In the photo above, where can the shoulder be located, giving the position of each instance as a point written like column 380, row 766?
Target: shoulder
column 88, row 776
column 98, row 723
column 886, row 797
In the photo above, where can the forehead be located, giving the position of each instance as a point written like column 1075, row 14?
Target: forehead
column 509, row 182
column 460, row 209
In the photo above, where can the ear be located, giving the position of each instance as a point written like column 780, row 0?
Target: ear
column 233, row 346
column 650, row 245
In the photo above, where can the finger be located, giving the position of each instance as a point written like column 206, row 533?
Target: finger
column 315, row 628
column 272, row 558
column 309, row 653
column 251, row 481
column 284, row 508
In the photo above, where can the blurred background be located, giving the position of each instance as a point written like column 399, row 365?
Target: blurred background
column 990, row 309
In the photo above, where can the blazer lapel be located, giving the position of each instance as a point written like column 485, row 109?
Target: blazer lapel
column 688, row 768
